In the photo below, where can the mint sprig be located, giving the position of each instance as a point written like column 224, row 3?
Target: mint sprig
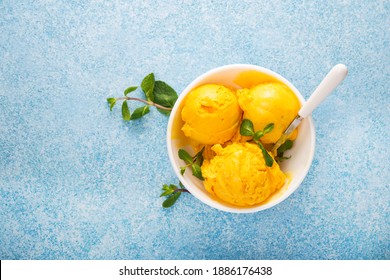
column 157, row 93
column 195, row 162
column 247, row 129
column 162, row 96
column 172, row 192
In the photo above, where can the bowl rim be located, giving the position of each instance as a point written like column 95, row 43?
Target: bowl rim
column 194, row 190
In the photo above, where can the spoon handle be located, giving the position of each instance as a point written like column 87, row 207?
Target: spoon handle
column 335, row 76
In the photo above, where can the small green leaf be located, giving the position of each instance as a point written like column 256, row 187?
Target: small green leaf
column 268, row 128
column 200, row 153
column 168, row 189
column 183, row 170
column 167, row 192
column 268, row 159
column 129, row 89
column 165, row 187
column 140, row 112
column 258, row 134
column 198, row 158
column 125, row 111
column 147, row 86
column 111, row 101
column 171, row 200
column 185, row 156
column 287, row 145
column 197, row 171
column 164, row 95
column 246, row 128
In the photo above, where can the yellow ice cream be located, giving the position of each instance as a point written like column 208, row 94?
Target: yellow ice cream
column 211, row 114
column 269, row 103
column 238, row 174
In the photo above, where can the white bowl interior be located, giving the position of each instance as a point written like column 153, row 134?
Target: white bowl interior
column 301, row 154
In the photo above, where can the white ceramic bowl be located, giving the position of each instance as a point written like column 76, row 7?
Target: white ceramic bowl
column 238, row 76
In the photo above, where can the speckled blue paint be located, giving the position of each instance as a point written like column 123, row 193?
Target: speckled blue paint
column 76, row 182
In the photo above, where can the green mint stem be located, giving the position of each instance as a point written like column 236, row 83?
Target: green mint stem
column 145, row 101
column 182, row 190
column 268, row 159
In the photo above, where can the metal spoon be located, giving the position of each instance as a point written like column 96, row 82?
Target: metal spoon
column 335, row 76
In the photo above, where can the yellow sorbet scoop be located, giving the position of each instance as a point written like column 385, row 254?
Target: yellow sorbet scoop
column 211, row 114
column 269, row 103
column 238, row 175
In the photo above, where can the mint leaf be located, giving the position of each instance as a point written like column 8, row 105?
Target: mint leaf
column 165, row 187
column 164, row 95
column 171, row 200
column 268, row 128
column 111, row 101
column 258, row 135
column 195, row 162
column 125, row 111
column 168, row 189
column 185, row 156
column 198, row 158
column 147, row 86
column 246, row 128
column 197, row 171
column 140, row 112
column 167, row 192
column 268, row 159
column 287, row 145
column 129, row 89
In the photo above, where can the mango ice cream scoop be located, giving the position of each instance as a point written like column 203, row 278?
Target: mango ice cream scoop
column 238, row 175
column 269, row 103
column 211, row 114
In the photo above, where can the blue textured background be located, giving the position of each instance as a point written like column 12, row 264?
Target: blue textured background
column 79, row 183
